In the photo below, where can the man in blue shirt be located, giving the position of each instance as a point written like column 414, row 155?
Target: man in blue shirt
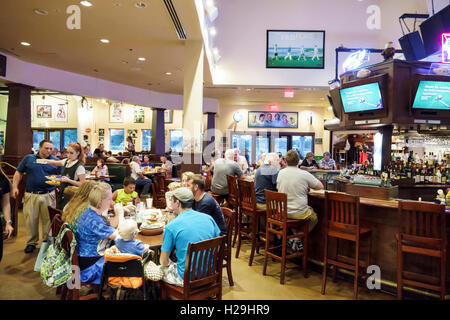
column 189, row 226
column 38, row 194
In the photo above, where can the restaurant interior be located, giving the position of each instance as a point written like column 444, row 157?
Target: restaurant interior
column 184, row 78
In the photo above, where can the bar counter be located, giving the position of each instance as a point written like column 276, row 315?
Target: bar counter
column 382, row 217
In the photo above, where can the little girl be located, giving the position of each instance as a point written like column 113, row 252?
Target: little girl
column 101, row 170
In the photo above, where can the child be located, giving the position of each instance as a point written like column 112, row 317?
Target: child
column 127, row 194
column 101, row 170
column 125, row 243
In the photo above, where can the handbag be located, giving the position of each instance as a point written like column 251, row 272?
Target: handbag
column 56, row 267
column 42, row 253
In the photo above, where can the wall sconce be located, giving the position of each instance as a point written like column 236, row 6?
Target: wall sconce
column 310, row 118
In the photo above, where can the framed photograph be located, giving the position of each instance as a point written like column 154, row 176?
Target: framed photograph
column 132, row 133
column 139, row 115
column 61, row 112
column 116, row 113
column 101, row 139
column 263, row 119
column 101, row 132
column 43, row 111
column 297, row 49
column 168, row 116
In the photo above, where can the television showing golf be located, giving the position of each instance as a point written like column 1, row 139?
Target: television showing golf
column 295, row 49
column 362, row 98
column 432, row 95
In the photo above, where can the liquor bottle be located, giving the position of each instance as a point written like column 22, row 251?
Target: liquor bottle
column 438, row 176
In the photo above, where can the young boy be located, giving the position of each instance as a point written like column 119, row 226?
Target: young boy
column 127, row 194
column 125, row 243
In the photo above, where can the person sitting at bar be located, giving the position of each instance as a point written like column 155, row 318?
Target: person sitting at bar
column 146, row 162
column 266, row 178
column 241, row 161
column 141, row 179
column 185, row 176
column 101, row 170
column 220, row 169
column 308, row 163
column 110, row 158
column 166, row 164
column 283, row 163
column 327, row 163
column 296, row 184
column 204, row 202
column 189, row 226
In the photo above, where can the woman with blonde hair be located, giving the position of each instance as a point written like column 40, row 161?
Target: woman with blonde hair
column 185, row 177
column 78, row 204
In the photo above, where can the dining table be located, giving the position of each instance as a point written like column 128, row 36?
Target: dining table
column 100, row 177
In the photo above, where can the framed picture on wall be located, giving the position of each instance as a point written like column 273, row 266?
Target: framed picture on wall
column 139, row 115
column 263, row 119
column 101, row 132
column 132, row 133
column 168, row 116
column 43, row 111
column 61, row 112
column 101, row 139
column 297, row 49
column 116, row 113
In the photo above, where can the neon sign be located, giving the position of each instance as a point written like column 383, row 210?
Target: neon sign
column 355, row 60
column 445, row 48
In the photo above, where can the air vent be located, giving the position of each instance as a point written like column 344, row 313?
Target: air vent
column 176, row 21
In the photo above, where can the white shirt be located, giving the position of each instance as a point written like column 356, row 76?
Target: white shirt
column 135, row 169
column 242, row 162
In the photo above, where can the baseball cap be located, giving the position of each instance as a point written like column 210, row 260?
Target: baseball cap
column 183, row 194
column 127, row 228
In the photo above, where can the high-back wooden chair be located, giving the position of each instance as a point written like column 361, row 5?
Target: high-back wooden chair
column 247, row 206
column 52, row 212
column 208, row 180
column 421, row 231
column 203, row 272
column 159, row 192
column 230, row 217
column 342, row 223
column 233, row 200
column 56, row 224
column 277, row 224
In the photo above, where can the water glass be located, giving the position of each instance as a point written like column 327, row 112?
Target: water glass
column 149, row 203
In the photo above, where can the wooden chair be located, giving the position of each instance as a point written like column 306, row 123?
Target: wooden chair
column 247, row 203
column 421, row 231
column 201, row 282
column 159, row 192
column 277, row 223
column 233, row 200
column 56, row 224
column 52, row 212
column 342, row 222
column 230, row 219
column 208, row 180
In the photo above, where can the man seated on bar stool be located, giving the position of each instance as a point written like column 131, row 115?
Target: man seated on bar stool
column 327, row 163
column 220, row 169
column 266, row 178
column 296, row 184
column 136, row 174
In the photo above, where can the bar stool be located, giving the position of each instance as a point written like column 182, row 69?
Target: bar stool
column 421, row 231
column 277, row 223
column 247, row 203
column 233, row 201
column 342, row 222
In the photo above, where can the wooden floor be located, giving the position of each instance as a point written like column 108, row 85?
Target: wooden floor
column 19, row 281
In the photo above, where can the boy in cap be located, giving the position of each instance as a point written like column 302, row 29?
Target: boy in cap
column 189, row 226
column 125, row 243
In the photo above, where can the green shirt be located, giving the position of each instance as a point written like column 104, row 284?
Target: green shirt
column 125, row 197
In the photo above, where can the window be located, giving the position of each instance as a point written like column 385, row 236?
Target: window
column 302, row 144
column 69, row 136
column 61, row 138
column 243, row 142
column 146, row 139
column 280, row 144
column 176, row 140
column 38, row 136
column 117, row 139
column 262, row 146
column 55, row 137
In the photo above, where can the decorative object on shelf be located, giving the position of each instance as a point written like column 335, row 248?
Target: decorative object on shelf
column 101, row 132
column 139, row 115
column 43, row 111
column 168, row 116
column 356, row 59
column 61, row 113
column 363, row 73
column 262, row 119
column 116, row 113
column 388, row 52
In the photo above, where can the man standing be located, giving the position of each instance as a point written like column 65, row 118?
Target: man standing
column 141, row 179
column 38, row 194
column 188, row 227
column 221, row 168
column 205, row 203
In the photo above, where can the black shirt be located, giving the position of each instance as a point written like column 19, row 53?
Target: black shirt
column 210, row 206
column 4, row 186
column 306, row 164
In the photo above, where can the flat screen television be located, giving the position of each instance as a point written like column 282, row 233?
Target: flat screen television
column 295, row 49
column 434, row 95
column 365, row 97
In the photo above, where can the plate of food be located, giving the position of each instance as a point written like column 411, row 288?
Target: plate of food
column 53, row 182
column 147, row 224
column 54, row 177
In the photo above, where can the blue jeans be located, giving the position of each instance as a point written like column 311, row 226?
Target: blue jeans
column 145, row 184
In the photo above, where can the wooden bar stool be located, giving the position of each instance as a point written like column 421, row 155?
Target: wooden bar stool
column 277, row 223
column 342, row 222
column 233, row 201
column 247, row 203
column 421, row 231
column 230, row 219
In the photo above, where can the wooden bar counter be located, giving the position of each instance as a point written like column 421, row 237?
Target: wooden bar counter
column 382, row 217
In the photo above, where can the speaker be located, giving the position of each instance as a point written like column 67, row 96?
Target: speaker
column 412, row 46
column 432, row 28
column 2, row 65
column 330, row 100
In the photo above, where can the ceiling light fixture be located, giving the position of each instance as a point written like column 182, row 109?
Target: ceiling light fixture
column 168, row 73
column 141, row 59
column 140, row 5
column 26, row 44
column 41, row 12
column 104, row 40
column 86, row 3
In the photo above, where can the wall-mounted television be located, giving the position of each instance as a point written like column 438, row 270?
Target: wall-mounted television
column 295, row 49
column 434, row 95
column 365, row 97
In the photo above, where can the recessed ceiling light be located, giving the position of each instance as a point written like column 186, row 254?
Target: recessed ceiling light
column 330, row 108
column 141, row 59
column 212, row 31
column 124, row 62
column 26, row 44
column 41, row 12
column 86, row 3
column 168, row 73
column 140, row 5
column 209, row 3
column 104, row 40
column 136, row 69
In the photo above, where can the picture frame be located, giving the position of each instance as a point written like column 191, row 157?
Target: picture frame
column 139, row 115
column 168, row 116
column 43, row 111
column 133, row 133
column 295, row 49
column 264, row 119
column 116, row 113
column 61, row 113
column 101, row 132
